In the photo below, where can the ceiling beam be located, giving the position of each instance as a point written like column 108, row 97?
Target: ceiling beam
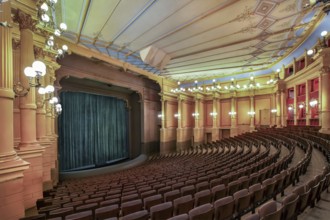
column 84, row 20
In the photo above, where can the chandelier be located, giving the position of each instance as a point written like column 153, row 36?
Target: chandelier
column 46, row 15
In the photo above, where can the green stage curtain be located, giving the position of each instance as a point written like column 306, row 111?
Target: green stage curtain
column 93, row 129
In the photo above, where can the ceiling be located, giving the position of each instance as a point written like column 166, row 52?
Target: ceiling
column 204, row 39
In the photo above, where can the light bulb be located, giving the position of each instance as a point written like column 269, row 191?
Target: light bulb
column 55, row 99
column 57, row 32
column 49, row 89
column 42, row 91
column 324, row 33
column 45, row 18
column 44, row 7
column 63, row 27
column 310, row 52
column 29, row 72
column 53, row 1
column 60, row 51
column 50, row 43
column 65, row 47
column 39, row 67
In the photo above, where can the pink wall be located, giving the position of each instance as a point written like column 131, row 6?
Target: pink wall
column 171, row 109
column 187, row 119
column 225, row 108
column 242, row 109
column 208, row 110
column 261, row 103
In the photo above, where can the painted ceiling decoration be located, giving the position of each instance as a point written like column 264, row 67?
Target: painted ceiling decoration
column 194, row 39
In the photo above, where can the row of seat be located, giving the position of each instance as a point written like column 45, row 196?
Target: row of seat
column 231, row 187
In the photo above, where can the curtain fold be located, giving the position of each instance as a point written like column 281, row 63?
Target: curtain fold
column 92, row 130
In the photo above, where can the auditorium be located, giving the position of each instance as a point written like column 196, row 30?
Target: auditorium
column 165, row 109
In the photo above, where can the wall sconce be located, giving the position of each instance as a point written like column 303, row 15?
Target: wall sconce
column 313, row 103
column 37, row 71
column 232, row 114
column 301, row 105
column 290, row 108
column 195, row 115
column 322, row 44
column 214, row 86
column 179, row 89
column 160, row 115
column 323, row 35
column 273, row 110
column 196, row 88
column 58, row 109
column 213, row 114
column 251, row 114
column 60, row 52
column 177, row 115
column 48, row 89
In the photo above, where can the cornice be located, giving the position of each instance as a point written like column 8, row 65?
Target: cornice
column 90, row 53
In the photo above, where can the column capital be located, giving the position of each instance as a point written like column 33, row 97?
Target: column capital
column 24, row 20
column 38, row 52
column 325, row 70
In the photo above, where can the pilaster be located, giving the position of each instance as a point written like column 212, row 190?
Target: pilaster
column 252, row 125
column 233, row 127
column 325, row 103
column 11, row 166
column 29, row 149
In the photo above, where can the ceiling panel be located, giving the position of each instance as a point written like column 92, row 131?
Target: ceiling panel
column 73, row 18
column 204, row 38
column 125, row 13
column 92, row 26
column 182, row 18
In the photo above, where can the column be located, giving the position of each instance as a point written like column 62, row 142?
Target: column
column 307, row 107
column 42, row 137
column 283, row 109
column 252, row 126
column 198, row 131
column 273, row 114
column 320, row 100
column 11, row 166
column 17, row 113
column 295, row 106
column 163, row 112
column 325, row 101
column 233, row 128
column 180, row 112
column 164, row 148
column 278, row 109
column 214, row 112
column 53, row 125
column 29, row 148
column 215, row 116
column 197, row 102
column 179, row 130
